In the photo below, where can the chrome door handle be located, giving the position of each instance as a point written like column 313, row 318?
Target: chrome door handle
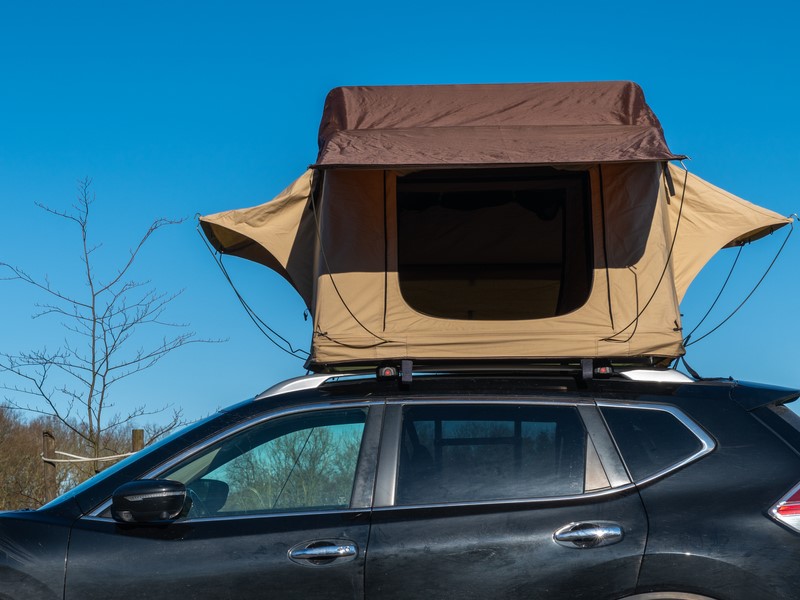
column 589, row 535
column 324, row 552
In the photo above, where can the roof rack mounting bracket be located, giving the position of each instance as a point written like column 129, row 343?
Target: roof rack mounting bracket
column 406, row 371
column 587, row 369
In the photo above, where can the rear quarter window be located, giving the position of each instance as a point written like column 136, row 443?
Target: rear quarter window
column 651, row 440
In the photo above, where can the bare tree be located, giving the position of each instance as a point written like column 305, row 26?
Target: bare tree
column 20, row 466
column 73, row 384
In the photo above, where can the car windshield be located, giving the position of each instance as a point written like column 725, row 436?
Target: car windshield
column 122, row 464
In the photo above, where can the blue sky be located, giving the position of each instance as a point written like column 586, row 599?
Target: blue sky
column 179, row 108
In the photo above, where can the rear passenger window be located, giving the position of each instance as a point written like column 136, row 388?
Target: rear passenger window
column 650, row 440
column 478, row 453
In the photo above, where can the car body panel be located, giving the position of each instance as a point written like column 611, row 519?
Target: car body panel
column 708, row 522
column 214, row 558
column 503, row 551
column 33, row 551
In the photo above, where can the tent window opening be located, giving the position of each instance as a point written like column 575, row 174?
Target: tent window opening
column 494, row 244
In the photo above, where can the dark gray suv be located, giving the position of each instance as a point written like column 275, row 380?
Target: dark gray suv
column 532, row 483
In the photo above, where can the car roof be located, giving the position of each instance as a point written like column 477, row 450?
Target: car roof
column 637, row 382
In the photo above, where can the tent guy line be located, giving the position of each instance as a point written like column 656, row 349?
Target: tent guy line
column 667, row 260
column 753, row 291
column 719, row 295
column 323, row 254
column 260, row 324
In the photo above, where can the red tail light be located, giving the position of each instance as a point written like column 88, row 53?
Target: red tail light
column 787, row 510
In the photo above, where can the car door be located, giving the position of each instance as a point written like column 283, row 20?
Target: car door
column 502, row 499
column 280, row 509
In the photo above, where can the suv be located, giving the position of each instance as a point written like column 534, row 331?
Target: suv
column 547, row 484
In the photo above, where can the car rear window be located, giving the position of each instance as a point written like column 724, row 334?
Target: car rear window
column 650, row 440
column 478, row 453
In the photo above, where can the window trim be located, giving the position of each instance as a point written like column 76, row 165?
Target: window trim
column 605, row 446
column 707, row 443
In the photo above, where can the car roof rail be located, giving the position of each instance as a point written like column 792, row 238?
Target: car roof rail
column 308, row 382
column 656, row 376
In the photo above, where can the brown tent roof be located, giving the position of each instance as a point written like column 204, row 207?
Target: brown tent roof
column 503, row 124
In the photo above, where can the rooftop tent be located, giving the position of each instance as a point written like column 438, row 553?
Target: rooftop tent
column 468, row 222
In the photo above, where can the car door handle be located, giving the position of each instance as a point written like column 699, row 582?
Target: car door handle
column 589, row 535
column 323, row 551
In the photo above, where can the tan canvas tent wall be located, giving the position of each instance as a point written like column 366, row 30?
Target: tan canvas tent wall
column 445, row 223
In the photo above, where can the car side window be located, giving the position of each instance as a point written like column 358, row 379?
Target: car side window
column 294, row 463
column 464, row 453
column 650, row 440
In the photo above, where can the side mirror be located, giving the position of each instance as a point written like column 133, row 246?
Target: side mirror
column 148, row 501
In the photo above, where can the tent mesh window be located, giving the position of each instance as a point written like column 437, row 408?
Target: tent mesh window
column 494, row 244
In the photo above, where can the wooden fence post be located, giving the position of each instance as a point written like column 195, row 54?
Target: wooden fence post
column 49, row 453
column 137, row 439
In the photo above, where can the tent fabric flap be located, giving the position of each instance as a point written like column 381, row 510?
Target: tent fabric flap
column 534, row 123
column 711, row 219
column 279, row 234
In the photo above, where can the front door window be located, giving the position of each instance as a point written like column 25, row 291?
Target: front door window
column 297, row 463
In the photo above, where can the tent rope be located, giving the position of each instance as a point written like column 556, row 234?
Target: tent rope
column 714, row 303
column 753, row 291
column 667, row 263
column 333, row 281
column 260, row 324
column 321, row 333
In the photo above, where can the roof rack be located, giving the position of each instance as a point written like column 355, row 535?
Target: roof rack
column 562, row 366
column 404, row 370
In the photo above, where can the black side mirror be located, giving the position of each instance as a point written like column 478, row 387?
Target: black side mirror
column 149, row 501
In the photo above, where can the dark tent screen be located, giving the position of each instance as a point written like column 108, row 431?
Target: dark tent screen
column 494, row 244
